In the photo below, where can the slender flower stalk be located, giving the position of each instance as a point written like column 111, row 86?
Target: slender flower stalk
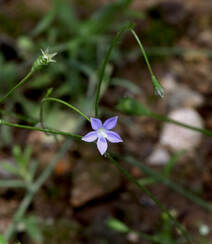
column 106, row 60
column 44, row 59
column 158, row 89
column 132, row 107
column 101, row 132
column 61, row 102
column 17, row 86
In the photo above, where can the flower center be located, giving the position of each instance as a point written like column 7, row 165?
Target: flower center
column 101, row 132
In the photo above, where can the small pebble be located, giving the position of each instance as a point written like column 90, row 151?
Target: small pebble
column 178, row 137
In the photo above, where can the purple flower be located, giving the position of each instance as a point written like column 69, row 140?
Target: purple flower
column 102, row 132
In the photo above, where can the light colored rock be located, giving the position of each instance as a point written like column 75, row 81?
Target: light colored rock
column 184, row 96
column 205, row 38
column 169, row 83
column 133, row 237
column 179, row 95
column 159, row 156
column 177, row 137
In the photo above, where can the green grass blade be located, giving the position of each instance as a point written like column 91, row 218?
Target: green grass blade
column 172, row 185
column 105, row 62
column 158, row 89
column 150, row 195
column 171, row 163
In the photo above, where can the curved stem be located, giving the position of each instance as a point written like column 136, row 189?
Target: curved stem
column 16, row 86
column 157, row 86
column 149, row 194
column 61, row 102
column 106, row 60
column 51, row 131
column 143, row 51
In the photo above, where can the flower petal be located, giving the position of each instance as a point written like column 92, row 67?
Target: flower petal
column 102, row 145
column 110, row 123
column 89, row 137
column 96, row 123
column 113, row 137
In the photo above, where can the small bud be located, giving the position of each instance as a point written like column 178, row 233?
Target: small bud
column 49, row 92
column 44, row 59
column 158, row 89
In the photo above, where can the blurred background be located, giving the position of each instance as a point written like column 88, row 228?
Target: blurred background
column 86, row 199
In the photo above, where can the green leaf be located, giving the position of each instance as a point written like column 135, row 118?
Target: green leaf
column 44, row 24
column 17, row 154
column 49, row 92
column 146, row 181
column 10, row 168
column 66, row 14
column 31, row 224
column 2, row 240
column 132, row 107
column 6, row 135
column 117, row 225
column 105, row 18
column 171, row 163
column 26, row 156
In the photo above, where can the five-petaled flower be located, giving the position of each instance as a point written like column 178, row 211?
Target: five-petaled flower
column 48, row 57
column 102, row 132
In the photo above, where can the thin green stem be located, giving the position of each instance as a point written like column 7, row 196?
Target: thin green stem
column 19, row 214
column 61, row 102
column 41, row 114
column 12, row 183
column 143, row 51
column 50, row 131
column 165, row 119
column 158, row 89
column 106, row 60
column 149, row 194
column 171, row 163
column 172, row 185
column 47, row 172
column 16, row 86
